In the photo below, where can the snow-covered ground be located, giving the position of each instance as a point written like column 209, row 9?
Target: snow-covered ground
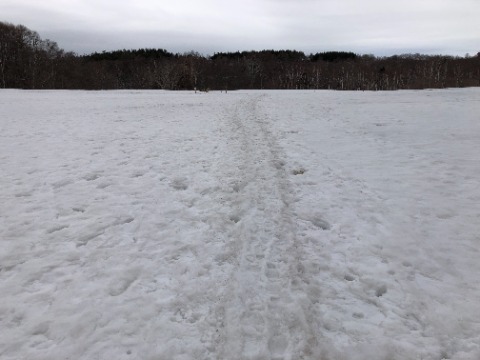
column 248, row 225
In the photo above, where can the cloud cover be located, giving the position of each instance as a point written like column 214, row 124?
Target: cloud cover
column 207, row 26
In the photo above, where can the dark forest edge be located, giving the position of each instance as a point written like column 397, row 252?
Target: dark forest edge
column 29, row 62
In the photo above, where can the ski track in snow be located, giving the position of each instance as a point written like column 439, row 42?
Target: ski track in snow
column 248, row 225
column 259, row 316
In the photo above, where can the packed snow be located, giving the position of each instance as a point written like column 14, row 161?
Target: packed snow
column 242, row 225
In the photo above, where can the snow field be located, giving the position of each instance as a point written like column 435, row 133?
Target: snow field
column 247, row 225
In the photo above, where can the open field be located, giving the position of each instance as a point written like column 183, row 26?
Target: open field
column 248, row 225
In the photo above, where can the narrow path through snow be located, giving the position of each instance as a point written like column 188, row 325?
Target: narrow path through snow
column 260, row 316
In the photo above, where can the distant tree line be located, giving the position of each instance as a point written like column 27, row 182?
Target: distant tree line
column 29, row 62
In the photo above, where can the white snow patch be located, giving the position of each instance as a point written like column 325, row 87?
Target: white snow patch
column 247, row 225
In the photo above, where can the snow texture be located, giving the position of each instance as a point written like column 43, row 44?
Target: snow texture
column 248, row 225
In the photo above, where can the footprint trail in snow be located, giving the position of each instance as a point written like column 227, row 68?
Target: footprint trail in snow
column 262, row 315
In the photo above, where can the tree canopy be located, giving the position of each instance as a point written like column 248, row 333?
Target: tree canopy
column 30, row 62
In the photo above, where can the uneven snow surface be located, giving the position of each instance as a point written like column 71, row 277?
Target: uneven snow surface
column 248, row 225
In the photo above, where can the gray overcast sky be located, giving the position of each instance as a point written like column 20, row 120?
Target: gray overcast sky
column 380, row 27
